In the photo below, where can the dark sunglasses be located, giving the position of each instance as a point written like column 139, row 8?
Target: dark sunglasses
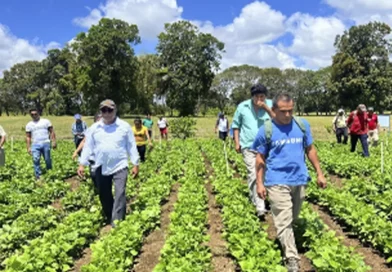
column 34, row 114
column 107, row 110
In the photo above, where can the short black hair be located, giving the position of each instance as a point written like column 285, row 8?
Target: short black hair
column 33, row 109
column 258, row 89
column 138, row 120
column 281, row 97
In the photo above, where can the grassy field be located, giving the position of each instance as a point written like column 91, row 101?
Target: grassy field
column 15, row 126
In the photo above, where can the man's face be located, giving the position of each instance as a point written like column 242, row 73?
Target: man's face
column 341, row 113
column 78, row 121
column 108, row 114
column 371, row 112
column 258, row 98
column 284, row 112
column 138, row 125
column 34, row 115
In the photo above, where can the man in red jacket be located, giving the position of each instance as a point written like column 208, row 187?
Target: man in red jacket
column 358, row 124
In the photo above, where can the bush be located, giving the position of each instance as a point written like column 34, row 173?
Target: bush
column 182, row 128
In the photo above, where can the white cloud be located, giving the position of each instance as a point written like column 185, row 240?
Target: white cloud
column 149, row 15
column 15, row 50
column 363, row 11
column 313, row 38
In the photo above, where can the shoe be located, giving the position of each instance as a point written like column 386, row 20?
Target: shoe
column 292, row 265
column 261, row 215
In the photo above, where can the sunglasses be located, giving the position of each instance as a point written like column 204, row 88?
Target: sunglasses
column 107, row 110
column 34, row 114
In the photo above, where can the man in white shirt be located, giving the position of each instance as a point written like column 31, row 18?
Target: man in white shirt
column 2, row 141
column 162, row 125
column 39, row 135
column 223, row 125
column 112, row 142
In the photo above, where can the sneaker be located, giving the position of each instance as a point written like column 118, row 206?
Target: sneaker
column 292, row 265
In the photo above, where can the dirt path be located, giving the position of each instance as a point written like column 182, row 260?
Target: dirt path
column 305, row 264
column 336, row 180
column 220, row 254
column 74, row 182
column 371, row 257
column 151, row 250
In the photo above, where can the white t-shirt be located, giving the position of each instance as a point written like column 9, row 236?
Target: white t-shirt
column 2, row 132
column 162, row 123
column 39, row 131
column 222, row 125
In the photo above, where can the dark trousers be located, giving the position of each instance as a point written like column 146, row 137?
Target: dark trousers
column 142, row 152
column 341, row 132
column 77, row 143
column 114, row 209
column 150, row 133
column 363, row 139
column 222, row 135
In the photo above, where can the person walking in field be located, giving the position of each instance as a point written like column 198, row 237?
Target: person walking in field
column 163, row 125
column 78, row 130
column 91, row 159
column 39, row 137
column 250, row 115
column 374, row 127
column 281, row 146
column 3, row 136
column 339, row 126
column 357, row 122
column 148, row 123
column 141, row 136
column 223, row 125
column 112, row 142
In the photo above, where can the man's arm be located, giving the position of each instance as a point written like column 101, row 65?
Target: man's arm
column 131, row 147
column 313, row 158
column 28, row 142
column 260, row 170
column 2, row 141
column 237, row 139
column 268, row 110
column 148, row 137
column 74, row 132
column 52, row 136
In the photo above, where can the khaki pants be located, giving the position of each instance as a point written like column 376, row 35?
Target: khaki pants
column 2, row 157
column 286, row 202
column 373, row 137
column 250, row 162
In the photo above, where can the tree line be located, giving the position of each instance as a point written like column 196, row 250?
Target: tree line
column 183, row 76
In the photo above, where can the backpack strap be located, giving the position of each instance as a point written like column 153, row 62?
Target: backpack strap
column 300, row 123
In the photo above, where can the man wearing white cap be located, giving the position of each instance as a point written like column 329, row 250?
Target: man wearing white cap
column 113, row 144
column 340, row 127
column 358, row 125
column 78, row 130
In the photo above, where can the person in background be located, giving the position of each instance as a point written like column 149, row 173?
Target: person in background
column 374, row 127
column 223, row 125
column 357, row 122
column 163, row 125
column 339, row 126
column 112, row 142
column 148, row 123
column 282, row 172
column 3, row 136
column 250, row 115
column 39, row 136
column 78, row 130
column 141, row 137
column 91, row 159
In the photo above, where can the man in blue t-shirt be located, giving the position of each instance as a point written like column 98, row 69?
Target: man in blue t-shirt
column 282, row 172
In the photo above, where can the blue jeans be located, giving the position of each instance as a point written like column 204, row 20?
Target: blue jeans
column 363, row 139
column 37, row 150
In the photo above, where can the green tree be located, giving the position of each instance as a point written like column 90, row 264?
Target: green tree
column 361, row 70
column 190, row 59
column 107, row 65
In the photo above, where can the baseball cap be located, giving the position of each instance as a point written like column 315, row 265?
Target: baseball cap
column 341, row 110
column 77, row 116
column 362, row 107
column 370, row 109
column 107, row 103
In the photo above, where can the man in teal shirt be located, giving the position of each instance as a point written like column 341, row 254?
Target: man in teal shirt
column 147, row 122
column 248, row 118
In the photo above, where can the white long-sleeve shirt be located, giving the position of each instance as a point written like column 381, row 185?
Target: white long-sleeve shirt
column 112, row 145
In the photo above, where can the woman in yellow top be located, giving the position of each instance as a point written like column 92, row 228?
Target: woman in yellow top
column 141, row 136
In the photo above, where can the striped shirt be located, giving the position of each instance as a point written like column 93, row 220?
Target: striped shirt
column 112, row 145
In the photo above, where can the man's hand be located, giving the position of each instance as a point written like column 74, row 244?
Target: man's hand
column 261, row 104
column 74, row 155
column 81, row 171
column 238, row 148
column 261, row 191
column 135, row 171
column 321, row 181
column 54, row 145
column 29, row 151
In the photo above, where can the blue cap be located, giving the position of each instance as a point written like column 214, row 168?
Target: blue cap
column 77, row 116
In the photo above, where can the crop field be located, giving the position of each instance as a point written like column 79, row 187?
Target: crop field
column 189, row 211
